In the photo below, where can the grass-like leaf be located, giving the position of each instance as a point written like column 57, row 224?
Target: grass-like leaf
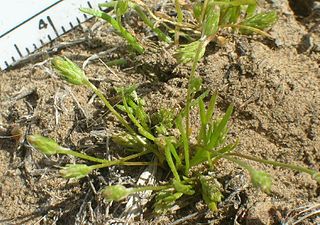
column 260, row 21
column 117, row 26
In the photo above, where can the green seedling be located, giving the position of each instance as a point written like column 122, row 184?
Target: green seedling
column 116, row 24
column 152, row 134
column 210, row 16
column 213, row 16
column 50, row 147
column 174, row 152
column 120, row 8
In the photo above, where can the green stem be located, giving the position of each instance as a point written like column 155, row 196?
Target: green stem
column 179, row 20
column 188, row 104
column 102, row 161
column 150, row 188
column 171, row 163
column 117, row 62
column 135, row 155
column 82, row 156
column 147, row 21
column 103, row 165
column 274, row 163
column 110, row 107
column 239, row 162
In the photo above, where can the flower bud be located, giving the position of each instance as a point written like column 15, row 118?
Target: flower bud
column 116, row 192
column 125, row 139
column 211, row 192
column 75, row 171
column 68, row 70
column 44, row 144
column 261, row 179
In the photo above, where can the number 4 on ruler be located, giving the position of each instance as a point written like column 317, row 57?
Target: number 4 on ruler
column 36, row 23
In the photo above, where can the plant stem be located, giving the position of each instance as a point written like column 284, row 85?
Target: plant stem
column 117, row 62
column 82, row 156
column 150, row 188
column 275, row 163
column 112, row 163
column 202, row 43
column 110, row 107
column 239, row 162
column 147, row 21
column 179, row 20
column 170, row 162
column 102, row 161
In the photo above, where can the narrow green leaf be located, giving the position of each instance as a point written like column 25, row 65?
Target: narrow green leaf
column 220, row 128
column 211, row 107
column 111, row 4
column 236, row 2
column 211, row 20
column 187, row 53
column 185, row 142
column 170, row 161
column 203, row 116
column 121, row 7
column 118, row 27
column 260, row 21
column 175, row 155
column 251, row 9
column 162, row 36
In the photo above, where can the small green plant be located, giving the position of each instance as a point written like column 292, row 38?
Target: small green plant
column 175, row 152
column 146, row 134
column 209, row 17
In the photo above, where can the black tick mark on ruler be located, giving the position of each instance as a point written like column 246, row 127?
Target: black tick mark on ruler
column 89, row 4
column 52, row 25
column 18, row 50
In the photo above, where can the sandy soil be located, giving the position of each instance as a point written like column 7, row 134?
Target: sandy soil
column 273, row 84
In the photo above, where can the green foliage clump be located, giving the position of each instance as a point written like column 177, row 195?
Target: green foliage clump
column 146, row 134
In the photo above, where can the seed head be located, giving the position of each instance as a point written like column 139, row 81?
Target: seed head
column 75, row 171
column 262, row 180
column 68, row 70
column 44, row 144
column 116, row 192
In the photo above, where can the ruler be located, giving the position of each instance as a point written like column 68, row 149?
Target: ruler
column 27, row 25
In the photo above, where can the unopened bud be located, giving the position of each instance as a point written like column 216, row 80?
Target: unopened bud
column 44, row 144
column 116, row 192
column 75, row 171
column 262, row 180
column 68, row 70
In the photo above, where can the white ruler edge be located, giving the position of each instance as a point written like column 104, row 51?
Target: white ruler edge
column 37, row 25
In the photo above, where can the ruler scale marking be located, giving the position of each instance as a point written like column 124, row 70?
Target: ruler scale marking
column 30, row 18
column 37, row 25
